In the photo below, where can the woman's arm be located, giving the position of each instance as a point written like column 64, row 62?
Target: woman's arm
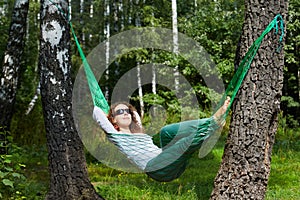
column 102, row 120
column 138, row 118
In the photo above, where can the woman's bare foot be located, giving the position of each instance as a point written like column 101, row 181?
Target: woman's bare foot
column 223, row 109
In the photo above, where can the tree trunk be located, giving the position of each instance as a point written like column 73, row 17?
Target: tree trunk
column 9, row 76
column 67, row 165
column 175, row 42
column 245, row 167
column 107, row 44
column 12, row 61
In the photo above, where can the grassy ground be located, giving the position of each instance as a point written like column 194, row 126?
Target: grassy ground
column 195, row 183
column 284, row 181
column 197, row 180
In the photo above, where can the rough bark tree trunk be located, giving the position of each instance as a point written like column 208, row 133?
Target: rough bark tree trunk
column 67, row 165
column 245, row 167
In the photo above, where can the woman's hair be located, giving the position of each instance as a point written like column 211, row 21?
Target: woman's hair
column 135, row 126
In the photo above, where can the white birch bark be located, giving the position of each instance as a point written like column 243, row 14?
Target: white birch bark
column 37, row 91
column 175, row 41
column 67, row 164
column 153, row 80
column 138, row 24
column 107, row 49
column 91, row 16
column 122, row 17
column 140, row 90
column 9, row 76
column 34, row 99
column 81, row 13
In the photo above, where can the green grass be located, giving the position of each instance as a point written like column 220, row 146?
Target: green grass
column 197, row 180
column 284, row 181
column 195, row 183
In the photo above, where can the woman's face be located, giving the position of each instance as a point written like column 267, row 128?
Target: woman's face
column 122, row 116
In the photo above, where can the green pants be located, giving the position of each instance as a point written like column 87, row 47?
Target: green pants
column 179, row 141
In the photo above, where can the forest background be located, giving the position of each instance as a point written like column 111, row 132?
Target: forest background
column 216, row 25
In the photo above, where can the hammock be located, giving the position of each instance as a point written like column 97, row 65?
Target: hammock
column 178, row 141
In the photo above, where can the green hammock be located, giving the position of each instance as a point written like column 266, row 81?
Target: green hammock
column 189, row 136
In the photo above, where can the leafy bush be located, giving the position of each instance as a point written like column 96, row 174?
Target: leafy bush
column 12, row 179
column 286, row 138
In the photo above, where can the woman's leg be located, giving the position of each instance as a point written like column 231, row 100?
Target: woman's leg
column 171, row 163
column 179, row 141
column 170, row 134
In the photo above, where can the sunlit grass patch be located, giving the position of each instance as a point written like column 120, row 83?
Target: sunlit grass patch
column 284, row 181
column 195, row 183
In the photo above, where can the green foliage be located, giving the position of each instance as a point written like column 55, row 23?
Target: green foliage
column 165, row 99
column 293, row 38
column 12, row 180
column 291, row 90
column 23, row 171
column 289, row 104
column 287, row 138
column 29, row 129
column 217, row 27
column 148, row 18
column 6, row 9
column 37, row 175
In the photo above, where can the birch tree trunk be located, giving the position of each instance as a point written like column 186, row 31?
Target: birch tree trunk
column 245, row 167
column 81, row 11
column 153, row 82
column 139, row 82
column 12, row 62
column 107, row 45
column 175, row 41
column 138, row 68
column 68, row 171
column 9, row 76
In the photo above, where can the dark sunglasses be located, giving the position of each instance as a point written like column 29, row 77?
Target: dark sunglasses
column 122, row 111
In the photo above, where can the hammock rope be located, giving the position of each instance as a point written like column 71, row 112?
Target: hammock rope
column 245, row 64
column 96, row 92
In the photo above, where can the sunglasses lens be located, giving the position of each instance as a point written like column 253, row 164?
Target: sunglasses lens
column 121, row 111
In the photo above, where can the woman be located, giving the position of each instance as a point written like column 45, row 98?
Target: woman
column 178, row 141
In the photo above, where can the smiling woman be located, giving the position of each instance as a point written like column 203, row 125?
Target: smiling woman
column 125, row 118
